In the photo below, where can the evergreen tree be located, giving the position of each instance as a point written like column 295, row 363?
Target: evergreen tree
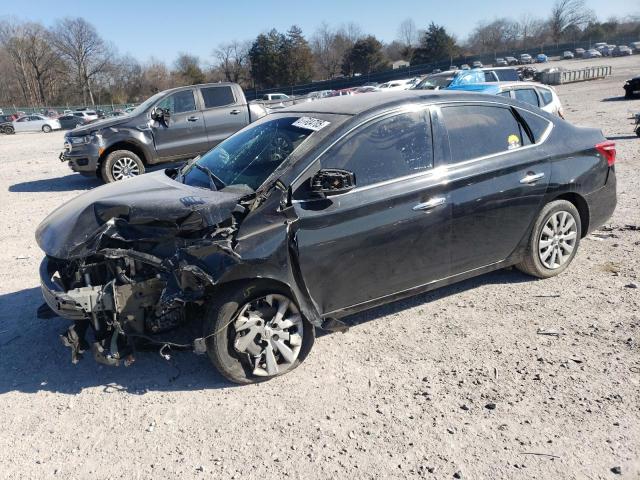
column 364, row 57
column 435, row 45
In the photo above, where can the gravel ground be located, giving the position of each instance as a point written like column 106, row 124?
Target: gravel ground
column 454, row 382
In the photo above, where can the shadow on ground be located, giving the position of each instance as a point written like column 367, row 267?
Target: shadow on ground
column 32, row 358
column 67, row 183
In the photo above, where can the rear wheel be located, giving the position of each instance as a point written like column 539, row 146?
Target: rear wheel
column 554, row 240
column 121, row 164
column 46, row 128
column 256, row 333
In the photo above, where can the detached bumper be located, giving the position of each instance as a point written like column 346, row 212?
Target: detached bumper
column 82, row 158
column 55, row 297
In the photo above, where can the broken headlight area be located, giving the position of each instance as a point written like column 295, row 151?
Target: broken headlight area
column 119, row 298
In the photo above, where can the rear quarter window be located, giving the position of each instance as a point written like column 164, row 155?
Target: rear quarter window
column 547, row 96
column 537, row 124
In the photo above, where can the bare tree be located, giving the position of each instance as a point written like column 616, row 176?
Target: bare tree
column 233, row 60
column 44, row 61
column 569, row 15
column 78, row 42
column 408, row 33
column 328, row 48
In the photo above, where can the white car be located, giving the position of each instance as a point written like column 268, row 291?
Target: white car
column 36, row 123
column 542, row 96
column 86, row 115
column 396, row 85
column 274, row 96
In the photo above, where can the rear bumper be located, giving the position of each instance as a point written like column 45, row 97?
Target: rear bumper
column 55, row 297
column 602, row 202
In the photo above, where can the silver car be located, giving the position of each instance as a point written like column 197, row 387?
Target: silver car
column 36, row 123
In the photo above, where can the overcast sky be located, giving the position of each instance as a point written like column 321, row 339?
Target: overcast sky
column 162, row 28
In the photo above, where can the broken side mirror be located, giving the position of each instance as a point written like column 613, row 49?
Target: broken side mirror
column 161, row 115
column 332, row 181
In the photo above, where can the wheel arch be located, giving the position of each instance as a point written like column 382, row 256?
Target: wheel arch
column 581, row 205
column 124, row 145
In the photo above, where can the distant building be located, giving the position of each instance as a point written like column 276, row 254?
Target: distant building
column 400, row 64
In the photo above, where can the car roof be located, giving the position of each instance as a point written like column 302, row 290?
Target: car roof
column 358, row 104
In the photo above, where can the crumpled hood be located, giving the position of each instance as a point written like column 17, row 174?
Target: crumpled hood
column 146, row 206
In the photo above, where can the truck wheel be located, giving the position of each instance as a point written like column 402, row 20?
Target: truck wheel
column 121, row 164
column 255, row 333
column 46, row 128
column 554, row 240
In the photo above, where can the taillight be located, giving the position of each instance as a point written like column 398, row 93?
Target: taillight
column 607, row 150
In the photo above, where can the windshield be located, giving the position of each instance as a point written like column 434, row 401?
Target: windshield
column 146, row 104
column 248, row 157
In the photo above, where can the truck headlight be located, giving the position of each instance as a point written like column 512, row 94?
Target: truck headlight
column 79, row 140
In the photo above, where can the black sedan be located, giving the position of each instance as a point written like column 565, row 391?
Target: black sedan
column 316, row 212
column 69, row 122
column 632, row 88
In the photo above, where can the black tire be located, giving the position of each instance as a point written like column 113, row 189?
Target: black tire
column 220, row 334
column 46, row 129
column 532, row 264
column 109, row 167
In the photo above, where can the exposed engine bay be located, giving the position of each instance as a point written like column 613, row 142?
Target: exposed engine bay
column 140, row 270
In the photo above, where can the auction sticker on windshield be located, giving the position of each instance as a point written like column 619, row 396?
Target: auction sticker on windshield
column 310, row 123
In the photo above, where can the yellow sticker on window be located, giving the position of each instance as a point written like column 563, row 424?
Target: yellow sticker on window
column 513, row 141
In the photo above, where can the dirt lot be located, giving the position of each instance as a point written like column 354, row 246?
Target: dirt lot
column 403, row 394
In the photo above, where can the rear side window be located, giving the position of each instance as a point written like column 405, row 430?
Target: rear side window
column 478, row 130
column 547, row 96
column 217, row 96
column 385, row 149
column 537, row 125
column 527, row 95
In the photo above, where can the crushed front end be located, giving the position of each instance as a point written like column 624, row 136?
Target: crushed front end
column 126, row 262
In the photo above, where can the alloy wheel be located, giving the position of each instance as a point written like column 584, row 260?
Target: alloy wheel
column 557, row 239
column 269, row 330
column 124, row 167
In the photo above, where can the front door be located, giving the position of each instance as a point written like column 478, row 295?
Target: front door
column 388, row 235
column 184, row 136
column 497, row 178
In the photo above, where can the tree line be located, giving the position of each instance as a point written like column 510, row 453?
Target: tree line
column 69, row 63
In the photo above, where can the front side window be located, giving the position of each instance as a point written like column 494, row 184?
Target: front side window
column 179, row 102
column 217, row 96
column 478, row 130
column 385, row 149
column 248, row 157
column 527, row 95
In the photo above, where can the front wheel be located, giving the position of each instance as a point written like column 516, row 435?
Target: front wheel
column 46, row 128
column 121, row 164
column 256, row 333
column 554, row 240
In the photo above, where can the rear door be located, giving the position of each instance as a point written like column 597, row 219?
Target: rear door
column 184, row 136
column 498, row 179
column 388, row 235
column 223, row 115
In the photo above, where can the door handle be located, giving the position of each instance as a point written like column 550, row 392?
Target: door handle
column 429, row 204
column 192, row 119
column 234, row 112
column 532, row 177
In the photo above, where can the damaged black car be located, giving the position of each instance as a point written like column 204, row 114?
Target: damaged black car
column 317, row 212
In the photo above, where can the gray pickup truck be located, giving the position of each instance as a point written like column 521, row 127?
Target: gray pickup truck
column 172, row 125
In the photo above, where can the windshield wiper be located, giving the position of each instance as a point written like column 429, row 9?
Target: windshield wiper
column 212, row 177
